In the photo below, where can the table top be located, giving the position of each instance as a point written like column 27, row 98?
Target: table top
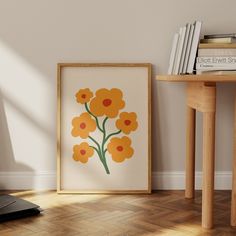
column 197, row 78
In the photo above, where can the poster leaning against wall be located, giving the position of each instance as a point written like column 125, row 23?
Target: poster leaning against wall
column 104, row 128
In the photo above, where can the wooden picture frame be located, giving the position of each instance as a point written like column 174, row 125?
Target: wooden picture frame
column 104, row 128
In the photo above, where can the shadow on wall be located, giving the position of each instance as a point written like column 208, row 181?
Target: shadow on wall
column 6, row 150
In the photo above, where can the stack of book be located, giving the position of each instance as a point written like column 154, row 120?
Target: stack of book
column 184, row 49
column 217, row 54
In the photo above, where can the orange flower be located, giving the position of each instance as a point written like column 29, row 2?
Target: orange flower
column 83, row 95
column 82, row 152
column 83, row 125
column 120, row 149
column 127, row 122
column 107, row 102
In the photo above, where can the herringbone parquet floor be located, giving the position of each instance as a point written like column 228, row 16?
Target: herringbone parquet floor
column 162, row 213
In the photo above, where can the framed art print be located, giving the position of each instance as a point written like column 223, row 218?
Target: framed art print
column 104, row 128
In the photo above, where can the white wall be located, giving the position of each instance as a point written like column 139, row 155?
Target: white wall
column 36, row 35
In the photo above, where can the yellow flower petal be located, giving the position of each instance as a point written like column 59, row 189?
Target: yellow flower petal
column 84, row 95
column 120, row 149
column 82, row 152
column 127, row 122
column 83, row 125
column 107, row 102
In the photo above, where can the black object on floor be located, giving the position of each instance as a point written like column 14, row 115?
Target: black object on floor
column 13, row 208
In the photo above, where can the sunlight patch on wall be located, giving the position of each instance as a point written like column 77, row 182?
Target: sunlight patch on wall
column 29, row 104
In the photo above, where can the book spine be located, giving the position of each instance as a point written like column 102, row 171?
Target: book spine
column 188, row 49
column 218, row 40
column 208, row 52
column 194, row 46
column 222, row 61
column 216, row 72
column 184, row 49
column 217, row 45
column 173, row 53
column 179, row 50
column 215, row 67
column 210, row 36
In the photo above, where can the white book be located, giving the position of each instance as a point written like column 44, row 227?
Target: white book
column 175, row 69
column 194, row 46
column 208, row 52
column 219, row 40
column 230, row 60
column 184, row 48
column 215, row 67
column 179, row 50
column 211, row 36
column 173, row 54
column 190, row 39
column 216, row 72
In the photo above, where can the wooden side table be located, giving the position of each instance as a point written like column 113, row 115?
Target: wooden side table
column 201, row 96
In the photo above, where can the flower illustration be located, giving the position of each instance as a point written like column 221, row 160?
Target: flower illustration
column 107, row 102
column 83, row 125
column 82, row 152
column 84, row 95
column 127, row 122
column 120, row 149
column 98, row 110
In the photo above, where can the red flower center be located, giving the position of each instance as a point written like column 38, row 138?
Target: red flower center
column 82, row 125
column 107, row 102
column 83, row 95
column 82, row 152
column 119, row 148
column 127, row 122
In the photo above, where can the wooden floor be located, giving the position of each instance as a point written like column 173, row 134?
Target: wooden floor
column 162, row 213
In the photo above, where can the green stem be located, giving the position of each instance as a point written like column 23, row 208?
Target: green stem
column 119, row 131
column 101, row 154
column 105, row 164
column 101, row 159
column 94, row 149
column 103, row 143
column 100, row 150
column 91, row 138
column 104, row 134
column 103, row 124
column 96, row 119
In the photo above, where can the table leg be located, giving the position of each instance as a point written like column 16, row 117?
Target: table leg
column 208, row 169
column 190, row 152
column 233, row 201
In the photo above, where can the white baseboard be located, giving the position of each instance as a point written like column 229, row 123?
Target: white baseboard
column 160, row 180
column 45, row 180
column 176, row 180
